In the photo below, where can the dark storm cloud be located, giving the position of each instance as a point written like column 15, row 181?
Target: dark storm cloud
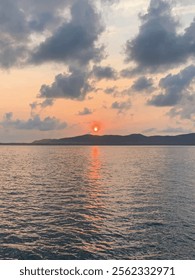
column 86, row 111
column 70, row 86
column 143, row 84
column 104, row 72
column 74, row 41
column 121, row 106
column 174, row 87
column 158, row 44
column 34, row 123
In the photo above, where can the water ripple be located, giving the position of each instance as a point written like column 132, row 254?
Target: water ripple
column 97, row 202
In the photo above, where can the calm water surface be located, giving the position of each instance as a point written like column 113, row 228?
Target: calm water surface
column 97, row 202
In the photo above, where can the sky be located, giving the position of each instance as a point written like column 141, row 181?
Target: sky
column 67, row 65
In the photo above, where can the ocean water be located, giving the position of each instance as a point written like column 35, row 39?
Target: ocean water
column 97, row 202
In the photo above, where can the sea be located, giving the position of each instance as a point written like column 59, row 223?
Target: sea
column 97, row 202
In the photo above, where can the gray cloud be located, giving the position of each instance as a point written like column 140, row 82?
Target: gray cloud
column 19, row 20
column 42, row 16
column 75, row 40
column 122, row 107
column 185, row 109
column 71, row 29
column 8, row 116
column 111, row 90
column 104, row 72
column 187, row 2
column 34, row 123
column 14, row 33
column 175, row 88
column 68, row 86
column 158, row 44
column 149, row 130
column 109, row 1
column 12, row 20
column 143, row 84
column 126, row 73
column 46, row 103
column 86, row 111
column 34, row 105
column 167, row 130
column 173, row 130
column 43, row 21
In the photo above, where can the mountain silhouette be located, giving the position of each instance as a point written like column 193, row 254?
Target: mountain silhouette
column 132, row 139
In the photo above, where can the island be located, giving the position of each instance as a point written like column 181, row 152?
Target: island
column 119, row 140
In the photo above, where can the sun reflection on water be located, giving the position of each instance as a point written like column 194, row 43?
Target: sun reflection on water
column 95, row 167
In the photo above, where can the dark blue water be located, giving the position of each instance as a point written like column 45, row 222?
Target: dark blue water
column 97, row 202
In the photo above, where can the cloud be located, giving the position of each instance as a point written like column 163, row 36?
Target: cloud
column 69, row 86
column 122, row 107
column 174, row 87
column 111, row 90
column 185, row 109
column 126, row 73
column 8, row 116
column 175, row 130
column 106, row 72
column 12, row 20
column 46, row 103
column 143, row 84
column 62, row 31
column 14, row 33
column 158, row 44
column 108, row 2
column 75, row 40
column 34, row 123
column 149, row 130
column 86, row 111
column 20, row 20
column 34, row 105
column 44, row 17
column 167, row 130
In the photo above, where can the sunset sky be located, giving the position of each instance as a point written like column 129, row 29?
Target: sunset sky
column 67, row 64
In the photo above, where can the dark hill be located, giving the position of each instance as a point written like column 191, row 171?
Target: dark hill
column 133, row 139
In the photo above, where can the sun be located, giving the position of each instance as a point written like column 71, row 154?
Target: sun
column 96, row 127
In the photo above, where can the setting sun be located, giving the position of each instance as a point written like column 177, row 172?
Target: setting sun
column 95, row 129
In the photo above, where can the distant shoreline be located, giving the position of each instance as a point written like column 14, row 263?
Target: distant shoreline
column 36, row 145
column 114, row 140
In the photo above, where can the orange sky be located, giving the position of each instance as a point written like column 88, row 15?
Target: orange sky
column 84, row 83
